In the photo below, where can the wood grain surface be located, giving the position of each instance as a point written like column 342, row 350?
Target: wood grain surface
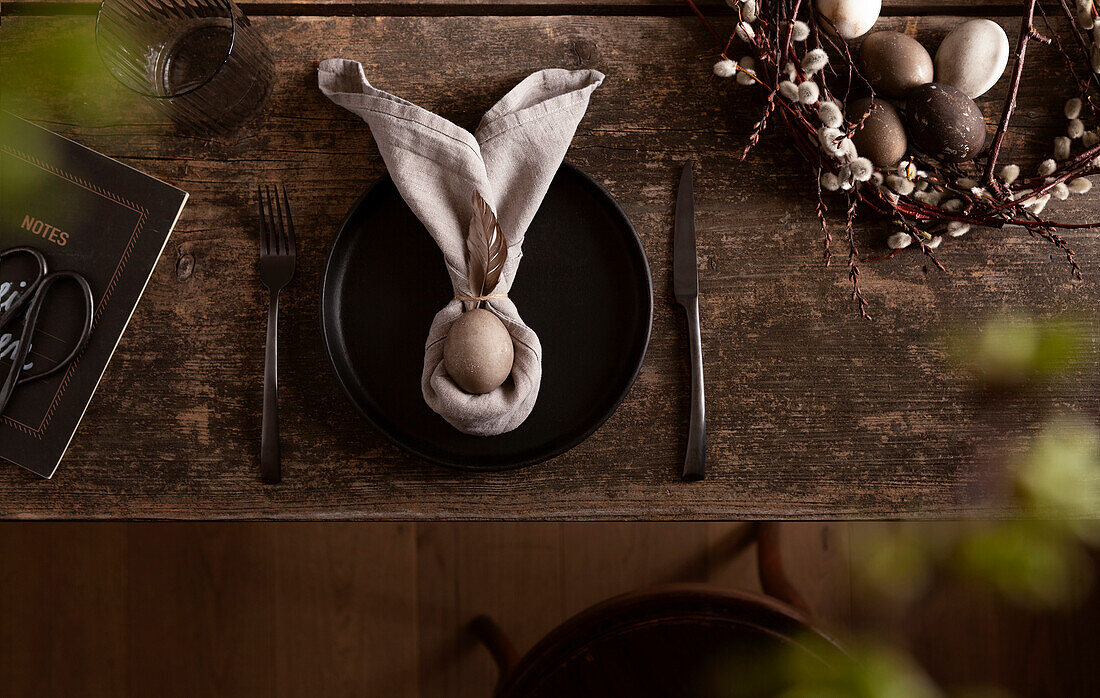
column 812, row 412
column 367, row 7
column 336, row 609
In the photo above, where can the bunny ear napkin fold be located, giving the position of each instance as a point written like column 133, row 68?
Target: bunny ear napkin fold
column 437, row 166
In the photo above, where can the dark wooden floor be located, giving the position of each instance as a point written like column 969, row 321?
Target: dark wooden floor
column 378, row 610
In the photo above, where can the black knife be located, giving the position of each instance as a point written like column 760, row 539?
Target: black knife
column 685, row 284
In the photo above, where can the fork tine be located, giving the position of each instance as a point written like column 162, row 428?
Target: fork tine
column 277, row 218
column 272, row 227
column 290, row 234
column 263, row 220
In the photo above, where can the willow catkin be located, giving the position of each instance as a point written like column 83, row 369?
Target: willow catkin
column 1079, row 185
column 1061, row 151
column 829, row 139
column 748, row 11
column 957, row 229
column 808, row 92
column 901, row 185
column 830, row 114
column 747, row 74
column 815, row 60
column 725, row 68
column 899, row 241
column 861, row 169
column 1073, row 108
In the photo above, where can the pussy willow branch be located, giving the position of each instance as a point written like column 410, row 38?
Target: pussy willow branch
column 853, row 257
column 1027, row 28
column 1081, row 43
column 1083, row 84
column 997, row 205
column 705, row 21
column 822, row 209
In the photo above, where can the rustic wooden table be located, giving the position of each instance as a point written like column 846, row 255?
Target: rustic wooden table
column 811, row 411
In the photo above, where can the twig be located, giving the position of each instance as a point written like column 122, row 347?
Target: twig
column 853, row 258
column 822, row 209
column 760, row 125
column 985, row 199
column 1026, row 29
column 706, row 23
column 1080, row 39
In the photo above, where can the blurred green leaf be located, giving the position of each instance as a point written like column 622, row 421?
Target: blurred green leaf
column 1059, row 475
column 876, row 670
column 1059, row 345
column 897, row 562
column 1029, row 562
column 52, row 73
column 17, row 184
column 52, row 70
column 980, row 692
column 1009, row 349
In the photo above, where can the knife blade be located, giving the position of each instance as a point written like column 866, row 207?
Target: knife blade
column 685, row 285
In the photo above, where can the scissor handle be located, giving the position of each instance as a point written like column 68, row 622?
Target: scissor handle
column 32, row 320
column 27, row 292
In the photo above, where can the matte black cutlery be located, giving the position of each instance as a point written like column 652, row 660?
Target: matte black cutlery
column 685, row 283
column 277, row 260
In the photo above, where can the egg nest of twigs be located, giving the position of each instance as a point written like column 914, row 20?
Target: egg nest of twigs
column 948, row 177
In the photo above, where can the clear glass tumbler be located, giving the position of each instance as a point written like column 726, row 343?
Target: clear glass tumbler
column 201, row 62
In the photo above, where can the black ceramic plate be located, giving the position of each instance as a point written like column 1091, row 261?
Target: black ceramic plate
column 583, row 286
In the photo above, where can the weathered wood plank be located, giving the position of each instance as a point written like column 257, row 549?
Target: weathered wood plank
column 476, row 568
column 604, row 560
column 268, row 7
column 189, row 609
column 812, row 413
column 815, row 558
column 63, row 591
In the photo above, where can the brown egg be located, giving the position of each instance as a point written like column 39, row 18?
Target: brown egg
column 895, row 63
column 478, row 353
column 881, row 139
column 945, row 123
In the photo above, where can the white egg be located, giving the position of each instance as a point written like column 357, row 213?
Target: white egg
column 851, row 18
column 973, row 57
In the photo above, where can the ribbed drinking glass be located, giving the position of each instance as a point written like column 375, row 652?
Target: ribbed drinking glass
column 201, row 62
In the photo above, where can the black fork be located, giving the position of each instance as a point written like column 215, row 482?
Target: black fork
column 277, row 258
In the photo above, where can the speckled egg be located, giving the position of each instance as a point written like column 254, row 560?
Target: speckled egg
column 882, row 138
column 894, row 63
column 478, row 352
column 851, row 18
column 945, row 123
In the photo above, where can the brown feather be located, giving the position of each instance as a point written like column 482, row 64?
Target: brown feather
column 486, row 247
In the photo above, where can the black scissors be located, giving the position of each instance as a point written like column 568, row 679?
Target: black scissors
column 32, row 296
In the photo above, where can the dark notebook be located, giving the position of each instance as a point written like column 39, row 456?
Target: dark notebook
column 89, row 214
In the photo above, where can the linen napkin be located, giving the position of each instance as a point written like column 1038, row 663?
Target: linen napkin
column 510, row 160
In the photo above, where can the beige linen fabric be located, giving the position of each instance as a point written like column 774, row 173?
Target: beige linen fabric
column 510, row 159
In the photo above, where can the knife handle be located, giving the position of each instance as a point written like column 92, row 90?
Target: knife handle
column 695, row 458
